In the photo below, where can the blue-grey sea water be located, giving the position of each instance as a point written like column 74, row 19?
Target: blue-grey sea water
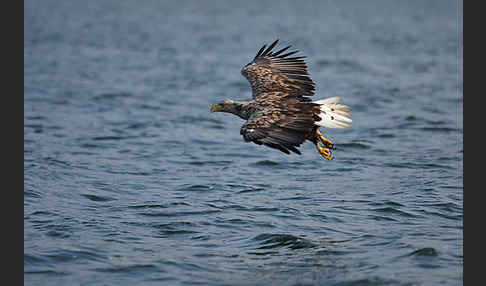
column 130, row 180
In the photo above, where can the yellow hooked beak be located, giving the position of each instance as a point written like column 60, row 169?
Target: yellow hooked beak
column 216, row 107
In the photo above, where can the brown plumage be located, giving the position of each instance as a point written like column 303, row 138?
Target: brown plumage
column 282, row 121
column 281, row 115
column 272, row 71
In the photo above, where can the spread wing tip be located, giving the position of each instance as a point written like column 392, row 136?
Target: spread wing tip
column 290, row 71
column 267, row 51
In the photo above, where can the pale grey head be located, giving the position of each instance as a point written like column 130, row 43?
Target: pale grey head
column 240, row 108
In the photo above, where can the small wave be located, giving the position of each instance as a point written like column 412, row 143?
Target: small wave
column 354, row 145
column 53, row 161
column 207, row 142
column 58, row 230
column 339, row 170
column 426, row 251
column 386, row 203
column 449, row 207
column 97, row 198
column 32, row 194
column 138, row 125
column 194, row 188
column 269, row 241
column 381, row 218
column 158, row 206
column 445, row 214
column 76, row 255
column 45, row 272
column 90, row 146
column 439, row 129
column 392, row 210
column 35, row 117
column 374, row 281
column 135, row 268
column 187, row 266
column 412, row 118
column 149, row 106
column 197, row 119
column 111, row 95
column 250, row 190
column 245, row 155
column 104, row 138
column 295, row 198
column 265, row 163
column 386, row 135
column 182, row 213
column 410, row 165
column 166, row 233
column 175, row 225
column 30, row 259
column 210, row 163
column 264, row 209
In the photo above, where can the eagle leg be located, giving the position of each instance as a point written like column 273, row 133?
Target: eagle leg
column 325, row 141
column 325, row 152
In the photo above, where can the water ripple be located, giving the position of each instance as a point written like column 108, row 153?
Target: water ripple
column 98, row 198
column 391, row 210
column 426, row 251
column 270, row 241
column 180, row 213
column 130, row 179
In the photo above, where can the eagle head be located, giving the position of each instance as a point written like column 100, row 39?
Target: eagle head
column 226, row 105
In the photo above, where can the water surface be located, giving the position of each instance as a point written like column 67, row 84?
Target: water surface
column 129, row 180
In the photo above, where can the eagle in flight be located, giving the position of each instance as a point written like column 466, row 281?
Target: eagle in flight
column 281, row 115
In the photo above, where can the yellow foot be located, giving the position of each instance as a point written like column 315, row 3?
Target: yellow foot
column 325, row 152
column 325, row 141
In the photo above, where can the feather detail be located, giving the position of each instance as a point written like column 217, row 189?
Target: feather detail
column 272, row 71
column 333, row 115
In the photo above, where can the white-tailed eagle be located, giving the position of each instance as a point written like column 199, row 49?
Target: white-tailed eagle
column 281, row 115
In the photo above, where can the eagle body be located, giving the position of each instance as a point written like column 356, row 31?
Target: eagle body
column 281, row 114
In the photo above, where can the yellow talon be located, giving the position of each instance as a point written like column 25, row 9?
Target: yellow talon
column 325, row 152
column 325, row 141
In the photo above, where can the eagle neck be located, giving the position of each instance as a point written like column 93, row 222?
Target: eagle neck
column 243, row 109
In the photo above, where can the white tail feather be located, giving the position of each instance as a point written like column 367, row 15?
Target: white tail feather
column 333, row 115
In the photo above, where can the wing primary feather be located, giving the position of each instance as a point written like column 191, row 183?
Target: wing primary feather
column 260, row 51
column 297, row 59
column 280, row 51
column 293, row 149
column 269, row 48
column 288, row 54
column 278, row 70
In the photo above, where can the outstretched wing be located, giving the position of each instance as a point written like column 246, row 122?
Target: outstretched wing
column 274, row 71
column 280, row 129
